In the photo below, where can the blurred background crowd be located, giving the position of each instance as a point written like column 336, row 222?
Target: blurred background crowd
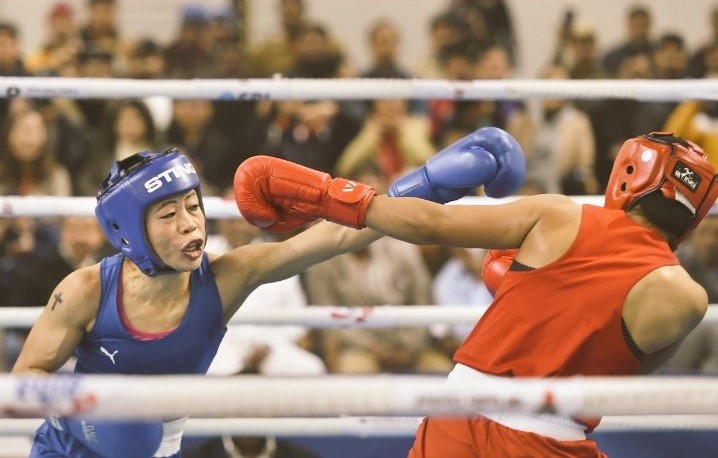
column 63, row 147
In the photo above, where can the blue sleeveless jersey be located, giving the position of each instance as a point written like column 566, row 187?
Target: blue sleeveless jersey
column 189, row 349
column 111, row 349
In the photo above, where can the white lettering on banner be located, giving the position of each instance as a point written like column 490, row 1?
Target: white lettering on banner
column 358, row 314
column 59, row 396
column 157, row 181
column 449, row 403
column 88, row 430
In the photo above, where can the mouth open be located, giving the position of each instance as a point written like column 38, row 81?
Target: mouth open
column 193, row 249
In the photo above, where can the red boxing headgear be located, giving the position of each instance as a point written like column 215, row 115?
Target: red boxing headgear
column 660, row 161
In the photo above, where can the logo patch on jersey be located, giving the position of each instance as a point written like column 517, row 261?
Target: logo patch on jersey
column 109, row 355
column 686, row 175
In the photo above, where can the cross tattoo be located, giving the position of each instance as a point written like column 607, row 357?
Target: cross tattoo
column 58, row 300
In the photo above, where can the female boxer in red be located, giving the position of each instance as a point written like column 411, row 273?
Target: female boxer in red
column 591, row 291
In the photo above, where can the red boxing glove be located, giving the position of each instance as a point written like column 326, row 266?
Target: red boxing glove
column 279, row 195
column 496, row 264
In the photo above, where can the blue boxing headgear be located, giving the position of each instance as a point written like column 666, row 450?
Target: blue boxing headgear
column 134, row 184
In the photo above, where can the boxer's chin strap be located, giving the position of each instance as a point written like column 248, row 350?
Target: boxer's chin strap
column 681, row 198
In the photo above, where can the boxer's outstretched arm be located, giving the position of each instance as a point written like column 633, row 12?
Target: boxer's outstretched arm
column 484, row 226
column 240, row 271
column 320, row 242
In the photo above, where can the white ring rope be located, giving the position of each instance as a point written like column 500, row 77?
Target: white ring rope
column 325, row 316
column 159, row 396
column 621, row 423
column 215, row 207
column 313, row 316
column 358, row 89
column 53, row 206
column 302, row 426
column 373, row 426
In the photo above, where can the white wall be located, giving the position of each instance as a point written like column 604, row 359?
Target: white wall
column 535, row 20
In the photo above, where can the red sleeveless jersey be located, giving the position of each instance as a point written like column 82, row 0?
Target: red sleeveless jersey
column 564, row 318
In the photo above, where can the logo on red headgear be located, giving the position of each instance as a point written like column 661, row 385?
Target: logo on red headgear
column 686, row 175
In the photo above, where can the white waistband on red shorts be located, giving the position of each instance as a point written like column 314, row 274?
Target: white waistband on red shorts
column 559, row 427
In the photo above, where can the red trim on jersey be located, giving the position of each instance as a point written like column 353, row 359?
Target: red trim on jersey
column 134, row 332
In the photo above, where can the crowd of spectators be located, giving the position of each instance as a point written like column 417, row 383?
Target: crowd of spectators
column 63, row 147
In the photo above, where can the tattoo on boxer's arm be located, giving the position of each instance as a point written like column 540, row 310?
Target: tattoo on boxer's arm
column 57, row 300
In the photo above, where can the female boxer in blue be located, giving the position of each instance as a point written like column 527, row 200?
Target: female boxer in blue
column 160, row 306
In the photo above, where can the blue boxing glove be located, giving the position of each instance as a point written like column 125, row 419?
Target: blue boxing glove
column 489, row 156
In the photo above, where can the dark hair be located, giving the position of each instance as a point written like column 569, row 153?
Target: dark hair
column 668, row 215
column 299, row 3
column 100, row 2
column 313, row 28
column 146, row 48
column 7, row 28
column 10, row 166
column 448, row 19
column 670, row 38
column 639, row 10
column 463, row 49
column 145, row 114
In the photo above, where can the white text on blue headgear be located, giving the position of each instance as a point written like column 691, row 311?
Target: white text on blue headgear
column 156, row 182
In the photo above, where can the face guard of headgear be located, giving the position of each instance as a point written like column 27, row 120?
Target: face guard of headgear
column 132, row 186
column 679, row 169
